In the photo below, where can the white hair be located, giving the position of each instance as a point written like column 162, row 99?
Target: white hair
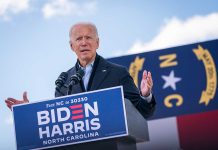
column 84, row 23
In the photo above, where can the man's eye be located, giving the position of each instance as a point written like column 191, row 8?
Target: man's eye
column 78, row 39
column 88, row 37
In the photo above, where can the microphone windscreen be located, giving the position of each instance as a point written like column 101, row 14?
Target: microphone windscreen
column 61, row 79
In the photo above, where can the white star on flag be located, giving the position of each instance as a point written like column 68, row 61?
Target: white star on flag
column 171, row 80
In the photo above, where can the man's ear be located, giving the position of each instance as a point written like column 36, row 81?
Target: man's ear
column 71, row 45
column 97, row 43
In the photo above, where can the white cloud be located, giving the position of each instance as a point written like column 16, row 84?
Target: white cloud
column 10, row 7
column 67, row 7
column 177, row 32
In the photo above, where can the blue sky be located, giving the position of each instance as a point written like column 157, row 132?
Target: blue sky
column 34, row 39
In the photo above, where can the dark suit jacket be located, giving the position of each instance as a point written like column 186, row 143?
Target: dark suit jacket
column 105, row 75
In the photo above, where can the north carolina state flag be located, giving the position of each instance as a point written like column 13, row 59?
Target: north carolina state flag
column 185, row 88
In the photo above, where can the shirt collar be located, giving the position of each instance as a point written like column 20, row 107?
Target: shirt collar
column 90, row 65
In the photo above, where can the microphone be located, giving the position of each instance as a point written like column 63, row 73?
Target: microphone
column 75, row 79
column 61, row 81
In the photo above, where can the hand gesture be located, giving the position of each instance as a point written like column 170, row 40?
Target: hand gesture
column 146, row 83
column 11, row 101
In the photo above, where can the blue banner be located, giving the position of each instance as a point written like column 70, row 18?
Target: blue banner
column 185, row 77
column 72, row 119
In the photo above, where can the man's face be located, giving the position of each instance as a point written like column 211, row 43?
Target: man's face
column 84, row 42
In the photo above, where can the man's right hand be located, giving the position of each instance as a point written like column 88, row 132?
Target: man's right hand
column 11, row 101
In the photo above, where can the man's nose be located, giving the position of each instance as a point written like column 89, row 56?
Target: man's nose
column 83, row 41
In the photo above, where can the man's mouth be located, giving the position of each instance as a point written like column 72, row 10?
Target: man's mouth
column 84, row 50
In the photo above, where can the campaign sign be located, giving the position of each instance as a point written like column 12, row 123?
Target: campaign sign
column 71, row 119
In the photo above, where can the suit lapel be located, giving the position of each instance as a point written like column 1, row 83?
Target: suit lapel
column 100, row 74
column 99, row 78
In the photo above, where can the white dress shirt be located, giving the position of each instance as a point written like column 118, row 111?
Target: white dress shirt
column 88, row 71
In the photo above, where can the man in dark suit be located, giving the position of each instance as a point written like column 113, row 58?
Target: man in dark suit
column 99, row 73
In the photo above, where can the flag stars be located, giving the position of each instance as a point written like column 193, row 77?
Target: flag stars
column 171, row 80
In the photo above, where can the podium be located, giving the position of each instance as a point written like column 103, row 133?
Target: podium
column 138, row 132
column 100, row 119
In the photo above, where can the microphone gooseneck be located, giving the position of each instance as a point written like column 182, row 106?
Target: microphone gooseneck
column 61, row 81
column 75, row 79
